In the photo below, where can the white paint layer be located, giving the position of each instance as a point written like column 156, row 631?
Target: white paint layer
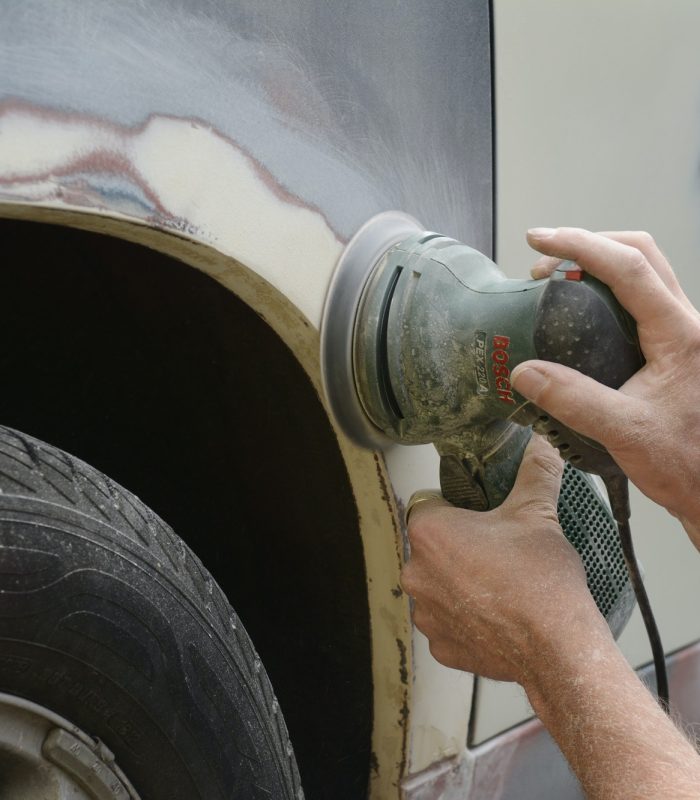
column 441, row 696
column 184, row 176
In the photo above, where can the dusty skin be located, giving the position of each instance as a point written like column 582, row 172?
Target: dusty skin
column 651, row 425
column 503, row 594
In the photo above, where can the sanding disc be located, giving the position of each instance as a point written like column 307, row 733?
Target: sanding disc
column 352, row 272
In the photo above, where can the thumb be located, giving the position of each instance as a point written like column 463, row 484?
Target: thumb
column 579, row 402
column 539, row 476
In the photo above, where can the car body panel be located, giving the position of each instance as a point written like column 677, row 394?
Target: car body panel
column 251, row 140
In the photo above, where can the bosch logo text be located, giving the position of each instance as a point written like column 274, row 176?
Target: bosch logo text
column 500, row 368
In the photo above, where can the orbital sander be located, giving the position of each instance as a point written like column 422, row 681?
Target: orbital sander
column 420, row 334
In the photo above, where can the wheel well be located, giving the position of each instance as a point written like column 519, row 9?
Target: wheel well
column 157, row 375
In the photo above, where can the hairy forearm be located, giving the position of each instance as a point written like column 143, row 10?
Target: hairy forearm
column 613, row 733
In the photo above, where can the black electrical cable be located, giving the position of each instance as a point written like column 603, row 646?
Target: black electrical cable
column 647, row 614
column 618, row 492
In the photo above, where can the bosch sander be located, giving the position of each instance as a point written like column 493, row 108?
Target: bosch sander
column 419, row 337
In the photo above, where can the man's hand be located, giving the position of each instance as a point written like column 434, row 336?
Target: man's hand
column 651, row 425
column 495, row 591
column 503, row 594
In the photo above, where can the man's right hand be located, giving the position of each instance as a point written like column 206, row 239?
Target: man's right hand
column 651, row 425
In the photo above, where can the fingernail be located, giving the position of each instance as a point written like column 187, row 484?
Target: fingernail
column 541, row 233
column 528, row 380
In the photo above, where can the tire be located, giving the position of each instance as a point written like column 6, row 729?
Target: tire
column 108, row 620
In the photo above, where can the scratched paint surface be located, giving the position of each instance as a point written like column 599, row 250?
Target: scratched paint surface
column 175, row 174
column 353, row 110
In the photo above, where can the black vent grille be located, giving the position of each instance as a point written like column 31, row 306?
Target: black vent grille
column 587, row 523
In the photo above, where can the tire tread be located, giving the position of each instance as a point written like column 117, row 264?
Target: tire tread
column 36, row 467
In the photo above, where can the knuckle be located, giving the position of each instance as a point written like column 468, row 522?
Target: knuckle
column 643, row 240
column 428, row 526
column 550, row 465
column 409, row 580
column 538, row 508
column 637, row 267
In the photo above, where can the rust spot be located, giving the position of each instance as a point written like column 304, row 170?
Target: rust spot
column 387, row 496
column 403, row 709
column 403, row 724
column 403, row 662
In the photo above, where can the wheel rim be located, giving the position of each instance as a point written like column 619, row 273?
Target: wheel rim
column 44, row 755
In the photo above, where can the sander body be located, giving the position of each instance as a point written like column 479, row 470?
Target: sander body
column 419, row 338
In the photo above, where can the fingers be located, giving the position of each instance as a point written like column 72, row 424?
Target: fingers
column 544, row 267
column 603, row 414
column 425, row 497
column 420, row 521
column 539, row 476
column 640, row 240
column 646, row 244
column 624, row 268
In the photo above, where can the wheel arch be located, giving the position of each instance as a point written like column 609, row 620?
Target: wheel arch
column 381, row 555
